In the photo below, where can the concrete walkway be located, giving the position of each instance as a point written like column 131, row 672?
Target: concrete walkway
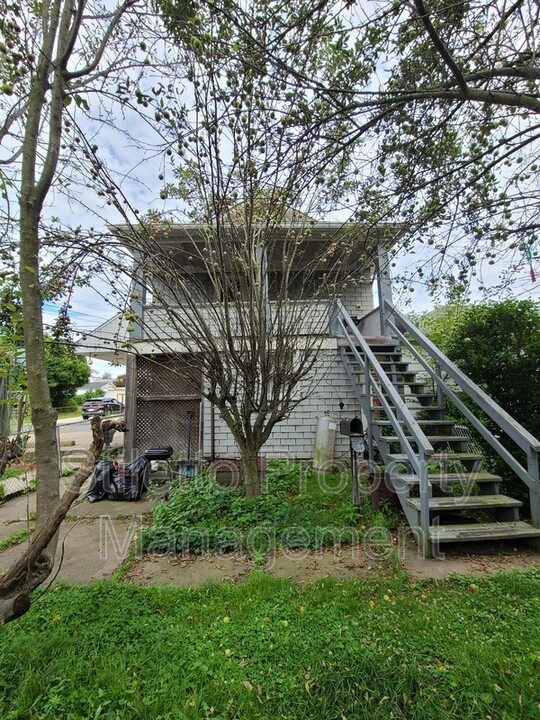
column 94, row 539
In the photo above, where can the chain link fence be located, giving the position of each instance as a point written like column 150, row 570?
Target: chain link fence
column 73, row 438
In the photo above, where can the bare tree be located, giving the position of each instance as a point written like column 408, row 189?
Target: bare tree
column 243, row 290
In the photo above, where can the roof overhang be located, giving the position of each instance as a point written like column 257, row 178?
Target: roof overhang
column 184, row 244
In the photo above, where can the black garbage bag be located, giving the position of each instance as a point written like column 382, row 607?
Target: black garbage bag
column 113, row 481
column 101, row 481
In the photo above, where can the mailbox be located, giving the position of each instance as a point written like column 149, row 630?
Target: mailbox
column 351, row 427
column 354, row 430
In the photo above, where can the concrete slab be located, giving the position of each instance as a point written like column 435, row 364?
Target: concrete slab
column 88, row 549
column 475, row 559
column 17, row 508
column 112, row 508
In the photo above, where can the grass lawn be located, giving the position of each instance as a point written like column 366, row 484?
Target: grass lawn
column 271, row 649
column 70, row 413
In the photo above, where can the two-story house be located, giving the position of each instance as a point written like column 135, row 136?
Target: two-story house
column 281, row 314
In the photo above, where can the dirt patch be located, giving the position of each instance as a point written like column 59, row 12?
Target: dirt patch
column 190, row 570
column 302, row 566
column 473, row 559
column 306, row 566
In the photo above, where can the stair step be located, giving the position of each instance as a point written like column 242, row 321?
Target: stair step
column 398, row 364
column 470, row 502
column 423, row 408
column 383, row 423
column 482, row 531
column 450, row 478
column 401, row 375
column 432, row 439
column 401, row 385
column 440, row 457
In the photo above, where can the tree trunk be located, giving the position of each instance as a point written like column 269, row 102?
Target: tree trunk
column 250, row 471
column 33, row 567
column 43, row 414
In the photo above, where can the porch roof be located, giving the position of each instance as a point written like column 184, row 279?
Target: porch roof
column 105, row 341
column 184, row 242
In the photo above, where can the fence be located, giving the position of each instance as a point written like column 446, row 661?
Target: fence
column 73, row 439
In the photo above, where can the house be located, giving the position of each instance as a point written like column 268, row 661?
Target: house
column 104, row 384
column 107, row 387
column 197, row 288
column 163, row 408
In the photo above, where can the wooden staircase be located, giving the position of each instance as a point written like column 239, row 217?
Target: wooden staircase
column 444, row 491
column 464, row 502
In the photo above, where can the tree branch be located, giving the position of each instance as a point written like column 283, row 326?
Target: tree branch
column 441, row 47
column 104, row 42
column 32, row 568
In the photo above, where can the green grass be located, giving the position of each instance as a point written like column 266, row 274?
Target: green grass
column 297, row 508
column 70, row 413
column 13, row 472
column 270, row 649
column 15, row 538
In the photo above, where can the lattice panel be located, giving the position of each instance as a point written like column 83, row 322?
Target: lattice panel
column 159, row 375
column 166, row 422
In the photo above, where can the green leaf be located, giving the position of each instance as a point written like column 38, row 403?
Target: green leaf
column 82, row 102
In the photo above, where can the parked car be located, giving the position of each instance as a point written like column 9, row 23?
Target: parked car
column 101, row 406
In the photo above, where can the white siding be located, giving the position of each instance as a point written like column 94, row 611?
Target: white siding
column 294, row 438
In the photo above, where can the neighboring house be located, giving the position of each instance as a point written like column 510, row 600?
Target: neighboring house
column 107, row 386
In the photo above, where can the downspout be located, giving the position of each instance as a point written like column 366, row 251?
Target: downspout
column 212, row 433
column 137, row 303
column 138, row 298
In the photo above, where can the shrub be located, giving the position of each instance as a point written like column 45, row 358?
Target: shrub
column 88, row 395
column 497, row 346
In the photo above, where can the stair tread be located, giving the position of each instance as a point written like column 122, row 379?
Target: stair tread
column 440, row 457
column 431, row 438
column 482, row 531
column 407, row 383
column 438, row 408
column 421, row 395
column 473, row 477
column 469, row 502
column 420, row 422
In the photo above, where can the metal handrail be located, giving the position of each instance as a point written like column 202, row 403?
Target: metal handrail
column 499, row 448
column 522, row 437
column 396, row 411
column 506, row 422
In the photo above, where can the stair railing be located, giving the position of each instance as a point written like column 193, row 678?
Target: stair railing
column 530, row 475
column 378, row 384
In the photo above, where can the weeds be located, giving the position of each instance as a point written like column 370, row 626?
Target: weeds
column 297, row 508
column 15, row 538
